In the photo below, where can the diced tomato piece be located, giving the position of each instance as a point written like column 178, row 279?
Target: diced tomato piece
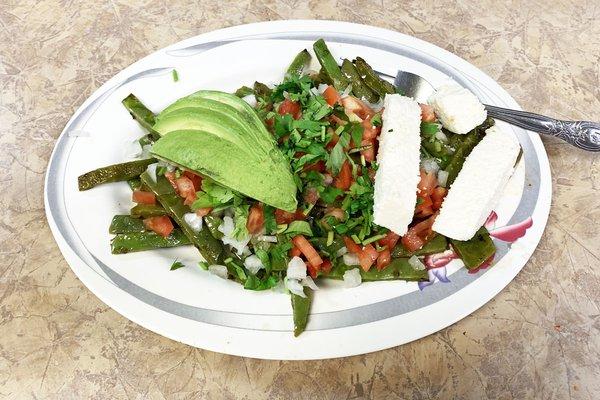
column 142, row 197
column 295, row 252
column 334, row 139
column 318, row 166
column 354, row 105
column 337, row 120
column 290, row 107
column 418, row 234
column 424, row 208
column 171, row 178
column 370, row 131
column 326, row 266
column 427, row 114
column 351, row 245
column 285, row 217
column 311, row 196
column 201, row 212
column 196, row 179
column 344, row 179
column 390, row 240
column 161, row 225
column 312, row 256
column 427, row 183
column 256, row 219
column 312, row 271
column 367, row 256
column 439, row 193
column 185, row 188
column 384, row 259
column 369, row 153
column 331, row 95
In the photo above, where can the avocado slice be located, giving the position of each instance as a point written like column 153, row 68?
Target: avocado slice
column 230, row 165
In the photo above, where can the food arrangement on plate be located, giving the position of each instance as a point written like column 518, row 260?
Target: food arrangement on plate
column 329, row 174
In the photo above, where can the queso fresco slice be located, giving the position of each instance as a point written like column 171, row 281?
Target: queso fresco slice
column 478, row 186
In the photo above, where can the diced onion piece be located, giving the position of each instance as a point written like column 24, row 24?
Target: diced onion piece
column 267, row 238
column 442, row 177
column 227, row 226
column 346, row 91
column 441, row 136
column 218, row 270
column 193, row 221
column 308, row 282
column 352, row 278
column 429, row 165
column 253, row 264
column 250, row 99
column 322, row 88
column 133, row 149
column 241, row 246
column 295, row 287
column 151, row 170
column 351, row 259
column 296, row 268
column 165, row 164
column 341, row 251
column 416, row 263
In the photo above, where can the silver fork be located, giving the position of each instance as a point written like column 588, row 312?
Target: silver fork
column 581, row 134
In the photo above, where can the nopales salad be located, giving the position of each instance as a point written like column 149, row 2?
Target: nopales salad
column 327, row 174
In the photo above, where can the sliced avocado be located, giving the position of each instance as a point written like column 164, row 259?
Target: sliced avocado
column 245, row 170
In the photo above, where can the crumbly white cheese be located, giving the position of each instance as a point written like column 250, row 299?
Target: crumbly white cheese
column 478, row 186
column 457, row 108
column 397, row 177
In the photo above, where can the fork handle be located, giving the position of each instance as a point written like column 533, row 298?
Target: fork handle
column 582, row 134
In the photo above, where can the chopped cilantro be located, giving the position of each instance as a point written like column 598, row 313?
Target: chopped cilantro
column 176, row 265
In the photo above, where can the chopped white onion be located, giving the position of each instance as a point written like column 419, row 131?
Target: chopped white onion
column 351, row 259
column 227, row 226
column 327, row 179
column 250, row 99
column 151, row 170
column 253, row 264
column 286, row 95
column 322, row 87
column 308, row 282
column 416, row 263
column 315, row 91
column 267, row 238
column 146, row 149
column 294, row 286
column 218, row 270
column 341, row 251
column 442, row 177
column 296, row 268
column 375, row 106
column 241, row 246
column 165, row 164
column 352, row 278
column 193, row 221
column 441, row 136
column 429, row 165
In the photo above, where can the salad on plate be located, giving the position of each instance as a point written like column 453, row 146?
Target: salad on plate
column 329, row 174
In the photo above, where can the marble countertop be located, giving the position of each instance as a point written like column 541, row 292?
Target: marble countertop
column 539, row 338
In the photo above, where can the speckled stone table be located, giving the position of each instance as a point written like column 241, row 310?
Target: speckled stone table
column 539, row 338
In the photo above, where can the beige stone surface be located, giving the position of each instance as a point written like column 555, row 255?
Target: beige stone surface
column 539, row 338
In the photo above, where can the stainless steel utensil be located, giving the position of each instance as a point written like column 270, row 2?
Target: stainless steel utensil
column 582, row 134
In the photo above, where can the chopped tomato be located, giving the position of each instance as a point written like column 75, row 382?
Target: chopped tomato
column 312, row 271
column 256, row 219
column 201, row 212
column 384, row 259
column 171, row 178
column 427, row 114
column 326, row 266
column 351, row 245
column 161, row 225
column 354, row 105
column 290, row 107
column 185, row 188
column 318, row 166
column 390, row 240
column 370, row 131
column 334, row 139
column 285, row 217
column 418, row 234
column 424, row 207
column 196, row 179
column 427, row 183
column 438, row 195
column 331, row 95
column 295, row 252
column 337, row 120
column 311, row 196
column 367, row 257
column 368, row 153
column 142, row 197
column 344, row 179
column 308, row 250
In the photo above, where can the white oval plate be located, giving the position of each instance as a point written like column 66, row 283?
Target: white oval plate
column 190, row 305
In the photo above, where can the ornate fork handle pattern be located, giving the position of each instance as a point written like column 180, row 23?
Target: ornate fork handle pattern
column 582, row 134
